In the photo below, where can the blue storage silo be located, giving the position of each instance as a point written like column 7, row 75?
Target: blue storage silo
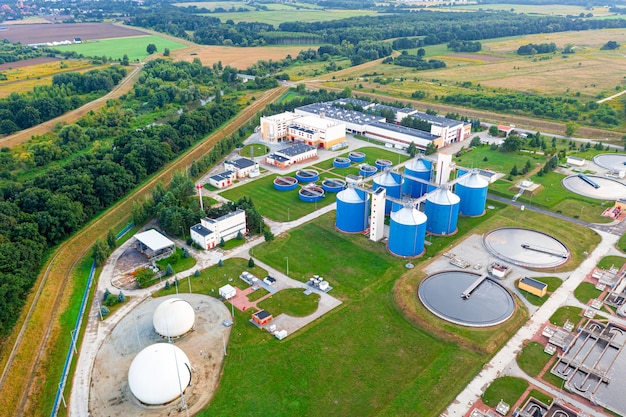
column 392, row 183
column 472, row 190
column 367, row 170
column 311, row 193
column 341, row 162
column 416, row 168
column 356, row 156
column 407, row 232
column 442, row 212
column 333, row 185
column 285, row 183
column 353, row 208
column 381, row 164
column 307, row 175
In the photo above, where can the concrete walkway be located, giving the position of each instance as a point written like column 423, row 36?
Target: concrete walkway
column 507, row 354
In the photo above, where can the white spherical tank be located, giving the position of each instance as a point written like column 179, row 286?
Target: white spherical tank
column 159, row 374
column 173, row 318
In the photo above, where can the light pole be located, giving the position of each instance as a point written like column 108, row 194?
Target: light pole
column 581, row 212
column 73, row 335
column 288, row 214
column 189, row 282
column 287, row 258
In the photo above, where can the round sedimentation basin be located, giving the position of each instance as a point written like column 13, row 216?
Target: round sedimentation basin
column 285, row 183
column 607, row 188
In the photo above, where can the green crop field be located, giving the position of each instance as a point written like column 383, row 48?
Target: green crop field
column 134, row 47
column 535, row 9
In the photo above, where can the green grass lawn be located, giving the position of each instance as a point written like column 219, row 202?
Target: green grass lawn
column 277, row 205
column 532, row 359
column 612, row 261
column 179, row 262
column 540, row 396
column 497, row 160
column 553, row 284
column 565, row 313
column 586, row 291
column 258, row 294
column 506, row 388
column 257, row 150
column 134, row 47
column 292, row 302
column 210, row 280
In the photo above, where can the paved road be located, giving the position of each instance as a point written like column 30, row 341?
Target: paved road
column 507, row 354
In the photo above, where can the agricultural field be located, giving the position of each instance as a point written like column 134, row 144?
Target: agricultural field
column 535, row 9
column 134, row 47
column 276, row 17
column 40, row 33
column 238, row 57
column 499, row 67
column 212, row 5
column 26, row 78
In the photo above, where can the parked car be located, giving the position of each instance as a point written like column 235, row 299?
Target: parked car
column 269, row 280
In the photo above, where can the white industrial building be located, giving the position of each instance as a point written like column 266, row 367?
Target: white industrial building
column 159, row 374
column 209, row 232
column 290, row 155
column 403, row 136
column 222, row 179
column 173, row 318
column 313, row 130
column 242, row 167
column 227, row 292
column 154, row 244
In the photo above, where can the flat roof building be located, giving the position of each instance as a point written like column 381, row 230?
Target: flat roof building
column 242, row 167
column 291, row 155
column 209, row 232
column 153, row 243
column 533, row 286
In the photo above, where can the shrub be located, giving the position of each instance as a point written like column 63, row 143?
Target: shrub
column 169, row 270
column 104, row 311
column 111, row 300
column 121, row 297
column 250, row 263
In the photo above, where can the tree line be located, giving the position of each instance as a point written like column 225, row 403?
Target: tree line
column 68, row 91
column 41, row 205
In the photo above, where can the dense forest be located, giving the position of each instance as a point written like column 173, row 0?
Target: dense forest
column 68, row 91
column 13, row 52
column 99, row 159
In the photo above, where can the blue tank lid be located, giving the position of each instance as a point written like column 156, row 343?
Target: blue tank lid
column 408, row 216
column 443, row 197
column 350, row 195
column 473, row 180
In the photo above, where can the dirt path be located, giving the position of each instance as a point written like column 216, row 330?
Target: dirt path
column 38, row 325
column 122, row 88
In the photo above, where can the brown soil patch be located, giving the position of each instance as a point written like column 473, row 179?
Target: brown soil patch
column 477, row 57
column 234, row 56
column 38, row 33
column 110, row 394
column 27, row 63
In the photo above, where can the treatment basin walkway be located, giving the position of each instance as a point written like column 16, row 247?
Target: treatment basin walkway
column 508, row 353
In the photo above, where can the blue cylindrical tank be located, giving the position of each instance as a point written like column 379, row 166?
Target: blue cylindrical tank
column 307, row 175
column 311, row 194
column 356, row 156
column 407, row 232
column 472, row 190
column 285, row 183
column 381, row 164
column 367, row 170
column 416, row 168
column 341, row 162
column 353, row 208
column 333, row 185
column 442, row 212
column 392, row 183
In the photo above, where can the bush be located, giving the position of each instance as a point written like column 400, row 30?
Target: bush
column 167, row 285
column 251, row 263
column 121, row 297
column 111, row 300
column 220, row 263
column 104, row 311
column 169, row 270
column 197, row 273
column 143, row 277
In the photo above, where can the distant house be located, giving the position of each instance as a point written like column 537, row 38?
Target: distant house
column 290, row 155
column 78, row 40
column 242, row 167
column 262, row 317
column 576, row 161
column 209, row 232
column 223, row 179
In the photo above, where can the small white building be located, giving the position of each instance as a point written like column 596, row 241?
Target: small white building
column 227, row 291
column 223, row 179
column 575, row 161
column 209, row 232
column 242, row 167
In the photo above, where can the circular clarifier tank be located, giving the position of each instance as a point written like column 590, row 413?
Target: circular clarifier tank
column 341, row 162
column 307, row 175
column 285, row 183
column 311, row 193
column 356, row 156
column 526, row 247
column 466, row 298
column 367, row 170
column 333, row 185
column 612, row 161
column 381, row 164
column 600, row 188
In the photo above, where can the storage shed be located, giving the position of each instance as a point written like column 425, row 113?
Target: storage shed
column 227, row 291
column 533, row 286
column 153, row 243
column 262, row 317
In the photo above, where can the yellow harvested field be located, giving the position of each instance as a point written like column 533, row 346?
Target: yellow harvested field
column 580, row 39
column 26, row 78
column 240, row 58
